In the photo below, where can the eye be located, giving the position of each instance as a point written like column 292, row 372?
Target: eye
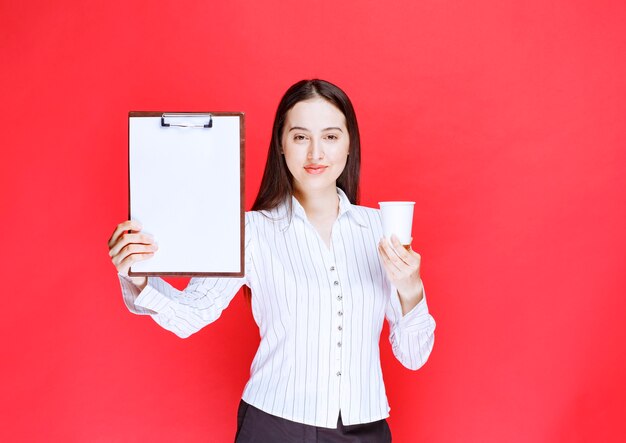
column 332, row 137
column 299, row 137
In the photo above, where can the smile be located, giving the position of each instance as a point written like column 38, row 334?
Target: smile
column 315, row 169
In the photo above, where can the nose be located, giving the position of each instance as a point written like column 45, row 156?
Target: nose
column 316, row 150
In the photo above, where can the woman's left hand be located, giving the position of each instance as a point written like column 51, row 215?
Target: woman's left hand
column 403, row 270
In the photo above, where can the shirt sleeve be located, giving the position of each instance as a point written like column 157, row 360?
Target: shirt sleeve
column 186, row 312
column 412, row 335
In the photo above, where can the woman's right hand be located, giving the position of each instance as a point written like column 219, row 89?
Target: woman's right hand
column 126, row 248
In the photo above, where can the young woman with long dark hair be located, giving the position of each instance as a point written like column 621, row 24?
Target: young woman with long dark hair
column 321, row 278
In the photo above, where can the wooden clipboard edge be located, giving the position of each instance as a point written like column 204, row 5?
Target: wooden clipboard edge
column 242, row 211
column 185, row 274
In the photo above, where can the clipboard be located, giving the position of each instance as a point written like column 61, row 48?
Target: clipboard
column 186, row 188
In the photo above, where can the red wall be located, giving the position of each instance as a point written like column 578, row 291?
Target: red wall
column 503, row 120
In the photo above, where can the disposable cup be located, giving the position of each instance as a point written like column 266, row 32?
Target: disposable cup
column 397, row 217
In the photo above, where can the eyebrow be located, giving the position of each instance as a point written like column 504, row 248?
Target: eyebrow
column 300, row 128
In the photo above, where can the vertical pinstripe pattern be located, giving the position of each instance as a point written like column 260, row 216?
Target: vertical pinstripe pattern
column 319, row 311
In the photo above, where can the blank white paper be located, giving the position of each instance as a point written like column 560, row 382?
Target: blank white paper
column 185, row 190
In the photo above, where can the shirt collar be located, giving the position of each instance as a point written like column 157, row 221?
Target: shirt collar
column 346, row 209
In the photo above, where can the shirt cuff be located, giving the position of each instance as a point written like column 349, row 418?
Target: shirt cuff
column 148, row 301
column 130, row 292
column 151, row 299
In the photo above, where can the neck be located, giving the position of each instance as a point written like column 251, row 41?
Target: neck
column 319, row 203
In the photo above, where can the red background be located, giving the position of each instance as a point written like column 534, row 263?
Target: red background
column 503, row 120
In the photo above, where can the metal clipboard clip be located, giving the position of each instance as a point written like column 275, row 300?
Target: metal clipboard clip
column 193, row 120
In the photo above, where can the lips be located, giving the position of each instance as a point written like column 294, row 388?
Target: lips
column 315, row 169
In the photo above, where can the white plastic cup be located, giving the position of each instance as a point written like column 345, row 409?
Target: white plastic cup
column 397, row 219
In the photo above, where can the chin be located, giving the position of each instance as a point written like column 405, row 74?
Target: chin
column 308, row 185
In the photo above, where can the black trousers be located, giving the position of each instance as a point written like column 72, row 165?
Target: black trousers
column 256, row 426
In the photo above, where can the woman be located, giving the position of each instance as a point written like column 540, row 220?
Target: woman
column 321, row 276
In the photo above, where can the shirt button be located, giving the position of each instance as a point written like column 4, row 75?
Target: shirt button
column 336, row 283
column 339, row 327
column 339, row 297
column 338, row 373
column 339, row 344
column 332, row 268
column 340, row 313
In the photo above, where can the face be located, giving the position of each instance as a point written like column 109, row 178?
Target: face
column 315, row 143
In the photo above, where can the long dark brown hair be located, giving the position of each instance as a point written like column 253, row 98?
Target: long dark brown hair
column 277, row 182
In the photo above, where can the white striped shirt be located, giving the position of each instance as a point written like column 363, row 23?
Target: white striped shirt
column 319, row 311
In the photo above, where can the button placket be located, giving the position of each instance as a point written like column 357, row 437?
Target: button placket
column 338, row 301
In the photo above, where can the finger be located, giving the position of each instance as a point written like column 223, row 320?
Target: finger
column 405, row 263
column 403, row 253
column 133, row 248
column 390, row 255
column 393, row 254
column 128, row 225
column 390, row 268
column 133, row 238
column 125, row 264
